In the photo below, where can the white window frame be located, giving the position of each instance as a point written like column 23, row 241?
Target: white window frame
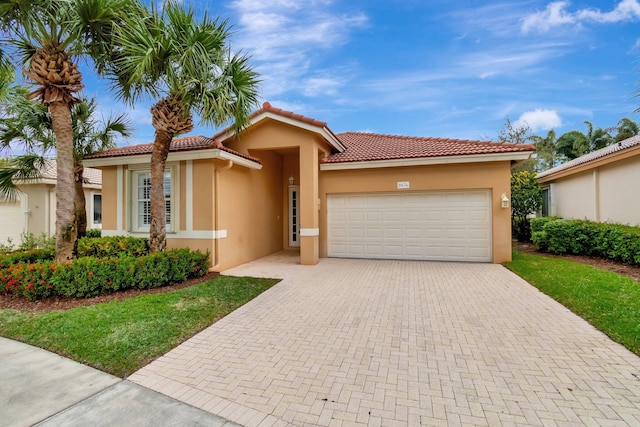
column 134, row 173
column 92, row 210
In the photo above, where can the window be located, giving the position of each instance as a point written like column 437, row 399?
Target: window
column 97, row 209
column 141, row 192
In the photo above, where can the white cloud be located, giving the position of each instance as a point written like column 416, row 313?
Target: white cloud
column 556, row 15
column 539, row 119
column 287, row 39
column 626, row 10
column 553, row 16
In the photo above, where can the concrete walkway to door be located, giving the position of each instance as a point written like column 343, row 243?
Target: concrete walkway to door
column 360, row 342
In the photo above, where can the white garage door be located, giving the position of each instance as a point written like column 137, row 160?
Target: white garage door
column 442, row 225
column 12, row 220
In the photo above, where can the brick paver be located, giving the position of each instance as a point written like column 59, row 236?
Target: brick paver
column 386, row 343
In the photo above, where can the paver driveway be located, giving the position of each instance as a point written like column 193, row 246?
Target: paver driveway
column 359, row 342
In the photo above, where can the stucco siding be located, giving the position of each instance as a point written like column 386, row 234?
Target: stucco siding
column 619, row 194
column 493, row 176
column 575, row 197
column 251, row 211
column 109, row 198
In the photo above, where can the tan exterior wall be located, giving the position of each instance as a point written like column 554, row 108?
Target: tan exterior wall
column 203, row 194
column 575, row 196
column 109, row 198
column 494, row 176
column 251, row 211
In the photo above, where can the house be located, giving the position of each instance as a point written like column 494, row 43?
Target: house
column 288, row 182
column 34, row 210
column 598, row 186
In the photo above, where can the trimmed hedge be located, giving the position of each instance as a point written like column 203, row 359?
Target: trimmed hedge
column 581, row 237
column 26, row 257
column 91, row 276
column 112, row 246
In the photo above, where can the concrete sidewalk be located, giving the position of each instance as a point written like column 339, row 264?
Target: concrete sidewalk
column 39, row 387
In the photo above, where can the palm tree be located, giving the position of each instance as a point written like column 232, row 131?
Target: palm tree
column 186, row 66
column 90, row 136
column 29, row 124
column 597, row 137
column 572, row 144
column 626, row 128
column 44, row 38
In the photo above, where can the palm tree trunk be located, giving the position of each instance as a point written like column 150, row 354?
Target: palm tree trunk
column 158, row 226
column 66, row 232
column 80, row 203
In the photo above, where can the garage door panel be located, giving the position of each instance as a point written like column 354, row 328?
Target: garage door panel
column 446, row 225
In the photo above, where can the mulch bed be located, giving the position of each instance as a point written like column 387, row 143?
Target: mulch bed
column 604, row 264
column 60, row 303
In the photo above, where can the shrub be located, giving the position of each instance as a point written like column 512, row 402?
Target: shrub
column 581, row 237
column 29, row 241
column 28, row 257
column 526, row 199
column 538, row 223
column 94, row 233
column 112, row 246
column 32, row 281
column 90, row 276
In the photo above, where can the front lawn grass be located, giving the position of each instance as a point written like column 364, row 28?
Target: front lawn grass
column 607, row 300
column 121, row 337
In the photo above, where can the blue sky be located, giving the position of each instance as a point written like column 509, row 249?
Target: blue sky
column 433, row 68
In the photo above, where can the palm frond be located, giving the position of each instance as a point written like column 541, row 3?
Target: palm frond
column 20, row 169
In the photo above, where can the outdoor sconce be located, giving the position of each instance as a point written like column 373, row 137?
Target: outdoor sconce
column 292, row 181
column 504, row 200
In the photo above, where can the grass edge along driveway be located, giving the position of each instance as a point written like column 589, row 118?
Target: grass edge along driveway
column 120, row 337
column 608, row 301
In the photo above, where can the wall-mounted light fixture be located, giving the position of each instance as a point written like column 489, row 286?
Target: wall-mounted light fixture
column 504, row 201
column 292, row 181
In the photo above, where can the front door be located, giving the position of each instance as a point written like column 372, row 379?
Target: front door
column 294, row 216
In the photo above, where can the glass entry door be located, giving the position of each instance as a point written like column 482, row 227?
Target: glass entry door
column 294, row 216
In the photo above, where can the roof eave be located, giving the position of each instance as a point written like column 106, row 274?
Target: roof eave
column 544, row 177
column 323, row 131
column 175, row 156
column 426, row 161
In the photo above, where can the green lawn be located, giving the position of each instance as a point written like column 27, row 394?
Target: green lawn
column 121, row 337
column 609, row 301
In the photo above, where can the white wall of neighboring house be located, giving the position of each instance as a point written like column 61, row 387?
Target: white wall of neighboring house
column 609, row 193
column 575, row 197
column 620, row 191
column 35, row 212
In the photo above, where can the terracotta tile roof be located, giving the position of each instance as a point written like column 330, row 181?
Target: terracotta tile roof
column 186, row 143
column 594, row 155
column 363, row 147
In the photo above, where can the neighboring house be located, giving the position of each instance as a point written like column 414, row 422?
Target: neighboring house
column 599, row 186
column 289, row 182
column 34, row 210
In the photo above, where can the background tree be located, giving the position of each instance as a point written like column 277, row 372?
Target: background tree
column 45, row 36
column 597, row 138
column 545, row 151
column 518, row 133
column 626, row 128
column 572, row 144
column 29, row 124
column 526, row 199
column 187, row 67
